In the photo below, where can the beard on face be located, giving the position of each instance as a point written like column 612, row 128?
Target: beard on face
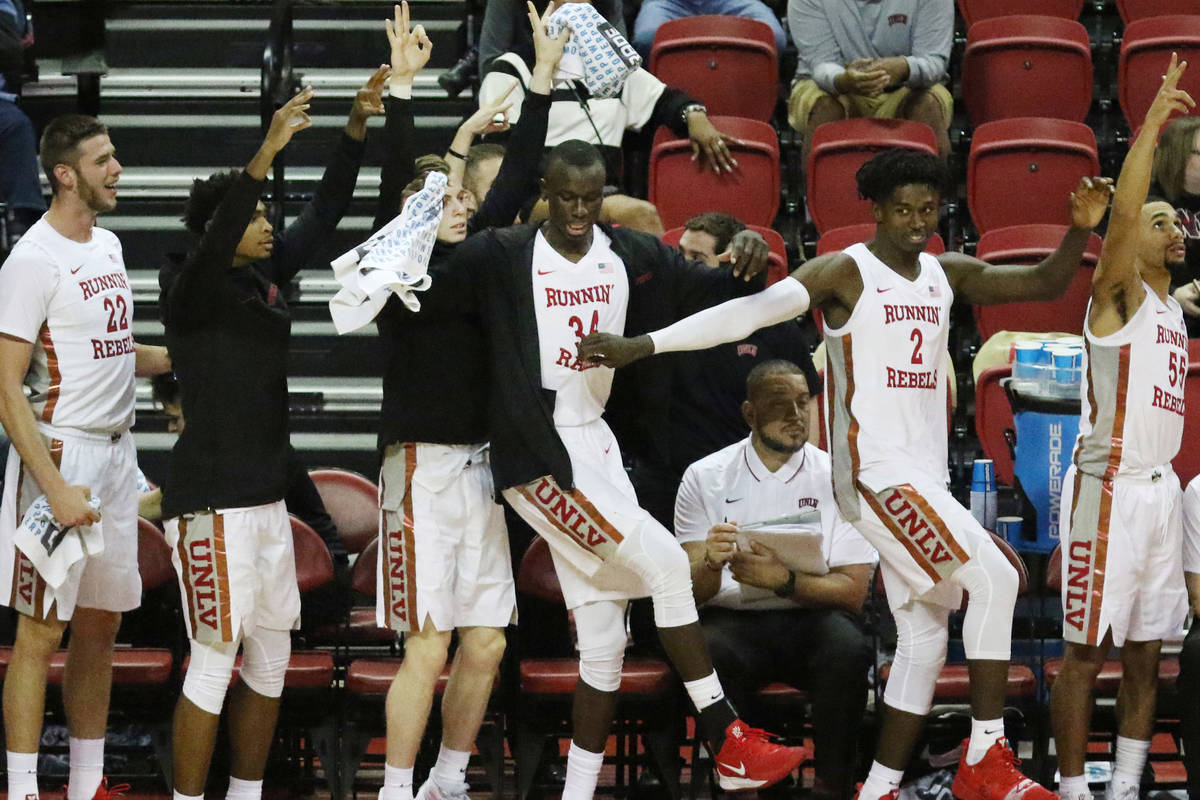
column 92, row 198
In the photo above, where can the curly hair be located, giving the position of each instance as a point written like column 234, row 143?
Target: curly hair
column 206, row 195
column 891, row 169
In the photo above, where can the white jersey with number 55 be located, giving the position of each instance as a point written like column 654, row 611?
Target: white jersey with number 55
column 886, row 380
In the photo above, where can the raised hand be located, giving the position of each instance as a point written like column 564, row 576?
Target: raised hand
column 289, row 118
column 411, row 48
column 1089, row 201
column 484, row 119
column 611, row 350
column 547, row 50
column 368, row 102
column 1170, row 99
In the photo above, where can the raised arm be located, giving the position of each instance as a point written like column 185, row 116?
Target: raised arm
column 1117, row 290
column 321, row 215
column 980, row 283
column 410, row 51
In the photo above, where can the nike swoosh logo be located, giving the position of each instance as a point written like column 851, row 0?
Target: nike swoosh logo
column 740, row 769
column 733, row 499
column 545, row 272
column 1163, row 311
column 881, row 291
column 607, row 449
column 81, row 267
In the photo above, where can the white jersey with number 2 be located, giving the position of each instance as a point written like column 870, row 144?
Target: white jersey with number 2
column 573, row 299
column 886, row 385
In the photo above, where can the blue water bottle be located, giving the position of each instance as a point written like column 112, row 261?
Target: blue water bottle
column 983, row 493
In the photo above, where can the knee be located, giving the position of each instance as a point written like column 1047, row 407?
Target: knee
column 824, row 109
column 39, row 638
column 842, row 651
column 96, row 626
column 1081, row 663
column 601, row 656
column 426, row 654
column 923, row 105
column 482, row 649
column 266, row 654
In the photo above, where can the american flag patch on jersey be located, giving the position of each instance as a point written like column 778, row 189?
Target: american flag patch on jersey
column 604, row 266
column 935, row 290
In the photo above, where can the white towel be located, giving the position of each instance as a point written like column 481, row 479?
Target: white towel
column 54, row 549
column 394, row 260
column 596, row 54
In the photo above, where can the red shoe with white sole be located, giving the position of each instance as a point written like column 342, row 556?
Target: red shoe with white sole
column 750, row 760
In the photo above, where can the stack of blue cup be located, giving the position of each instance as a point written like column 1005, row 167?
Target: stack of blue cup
column 983, row 493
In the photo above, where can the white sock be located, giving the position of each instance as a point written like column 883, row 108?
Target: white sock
column 397, row 783
column 181, row 796
column 1128, row 763
column 243, row 790
column 87, row 768
column 583, row 773
column 22, row 775
column 984, row 734
column 880, row 781
column 1072, row 786
column 705, row 691
column 451, row 768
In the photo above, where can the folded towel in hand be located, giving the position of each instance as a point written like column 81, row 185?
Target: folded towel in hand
column 52, row 548
column 596, row 53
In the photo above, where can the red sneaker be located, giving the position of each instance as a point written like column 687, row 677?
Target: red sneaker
column 996, row 777
column 894, row 794
column 106, row 792
column 749, row 760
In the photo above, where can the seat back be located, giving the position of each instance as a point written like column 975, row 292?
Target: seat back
column 1133, row 10
column 1022, row 171
column 1145, row 52
column 843, row 237
column 1017, row 562
column 1029, row 244
column 993, row 417
column 681, row 188
column 536, row 576
column 314, row 565
column 1187, row 463
column 363, row 576
column 352, row 501
column 838, row 150
column 1027, row 66
column 975, row 10
column 154, row 556
column 777, row 267
column 1054, row 570
column 727, row 63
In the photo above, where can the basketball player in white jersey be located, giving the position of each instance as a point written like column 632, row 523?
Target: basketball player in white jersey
column 66, row 335
column 886, row 307
column 1122, row 557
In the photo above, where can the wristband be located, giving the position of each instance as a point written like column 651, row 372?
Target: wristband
column 788, row 589
column 450, row 151
column 400, row 89
column 689, row 108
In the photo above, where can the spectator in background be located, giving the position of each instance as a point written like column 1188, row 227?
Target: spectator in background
column 645, row 102
column 19, row 184
column 763, row 620
column 1177, row 180
column 504, row 31
column 483, row 164
column 654, row 13
column 874, row 59
column 701, row 408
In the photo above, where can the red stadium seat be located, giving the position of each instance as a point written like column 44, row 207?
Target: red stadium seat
column 841, row 238
column 352, row 501
column 993, row 417
column 1187, row 463
column 1027, row 66
column 975, row 10
column 728, row 63
column 778, row 266
column 681, row 188
column 1029, row 244
column 1145, row 52
column 1022, row 171
column 1133, row 10
column 838, row 150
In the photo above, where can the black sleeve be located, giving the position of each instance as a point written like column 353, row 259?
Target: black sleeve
column 189, row 291
column 321, row 215
column 303, row 500
column 518, row 176
column 669, row 111
column 396, row 168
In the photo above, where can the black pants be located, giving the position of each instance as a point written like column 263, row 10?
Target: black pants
column 825, row 652
column 1189, row 706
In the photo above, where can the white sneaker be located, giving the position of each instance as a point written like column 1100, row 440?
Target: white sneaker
column 432, row 790
column 1127, row 791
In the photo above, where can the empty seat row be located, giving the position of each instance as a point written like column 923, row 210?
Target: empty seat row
column 1130, row 10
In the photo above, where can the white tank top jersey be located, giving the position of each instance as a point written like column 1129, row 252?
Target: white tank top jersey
column 72, row 301
column 572, row 300
column 886, row 382
column 1131, row 420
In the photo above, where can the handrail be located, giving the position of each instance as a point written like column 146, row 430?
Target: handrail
column 276, row 85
